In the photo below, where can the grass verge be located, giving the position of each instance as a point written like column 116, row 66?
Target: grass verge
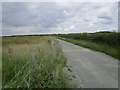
column 0, row 63
column 112, row 51
column 28, row 62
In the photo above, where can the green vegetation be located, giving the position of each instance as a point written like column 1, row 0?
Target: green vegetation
column 0, row 63
column 111, row 39
column 28, row 62
column 108, row 43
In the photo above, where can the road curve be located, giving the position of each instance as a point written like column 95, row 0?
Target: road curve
column 92, row 69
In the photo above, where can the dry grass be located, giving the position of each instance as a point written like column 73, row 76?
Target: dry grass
column 48, row 71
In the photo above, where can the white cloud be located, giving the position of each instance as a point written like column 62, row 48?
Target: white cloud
column 66, row 13
column 91, row 24
column 66, row 29
column 15, row 30
column 60, row 0
column 113, row 28
column 64, row 4
column 59, row 17
column 72, row 27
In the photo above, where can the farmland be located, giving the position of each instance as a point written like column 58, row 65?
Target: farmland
column 32, row 62
column 0, row 62
column 104, row 42
column 38, row 61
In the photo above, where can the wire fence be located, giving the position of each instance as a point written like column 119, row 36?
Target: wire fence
column 16, row 75
column 24, row 78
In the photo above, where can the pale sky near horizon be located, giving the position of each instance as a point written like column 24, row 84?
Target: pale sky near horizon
column 19, row 18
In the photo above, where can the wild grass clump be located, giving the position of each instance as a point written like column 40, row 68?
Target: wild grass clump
column 32, row 57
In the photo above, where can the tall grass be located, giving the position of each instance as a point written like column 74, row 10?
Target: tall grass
column 108, row 43
column 111, row 39
column 45, row 72
column 0, row 62
column 112, row 51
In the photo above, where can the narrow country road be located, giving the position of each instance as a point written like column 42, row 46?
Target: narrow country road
column 92, row 69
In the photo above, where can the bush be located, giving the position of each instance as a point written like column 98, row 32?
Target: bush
column 111, row 39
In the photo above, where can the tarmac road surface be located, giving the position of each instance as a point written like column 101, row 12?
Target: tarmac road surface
column 91, row 69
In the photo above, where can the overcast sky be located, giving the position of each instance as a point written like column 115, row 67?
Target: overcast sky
column 57, row 17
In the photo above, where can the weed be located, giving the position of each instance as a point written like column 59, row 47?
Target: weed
column 42, row 70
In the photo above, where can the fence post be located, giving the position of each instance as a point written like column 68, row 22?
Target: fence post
column 33, row 61
column 53, row 49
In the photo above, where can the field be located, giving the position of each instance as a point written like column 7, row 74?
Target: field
column 108, row 43
column 33, row 62
column 0, row 62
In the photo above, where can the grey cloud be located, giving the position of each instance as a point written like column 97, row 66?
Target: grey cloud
column 19, row 14
column 105, row 17
column 15, row 14
column 50, row 17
